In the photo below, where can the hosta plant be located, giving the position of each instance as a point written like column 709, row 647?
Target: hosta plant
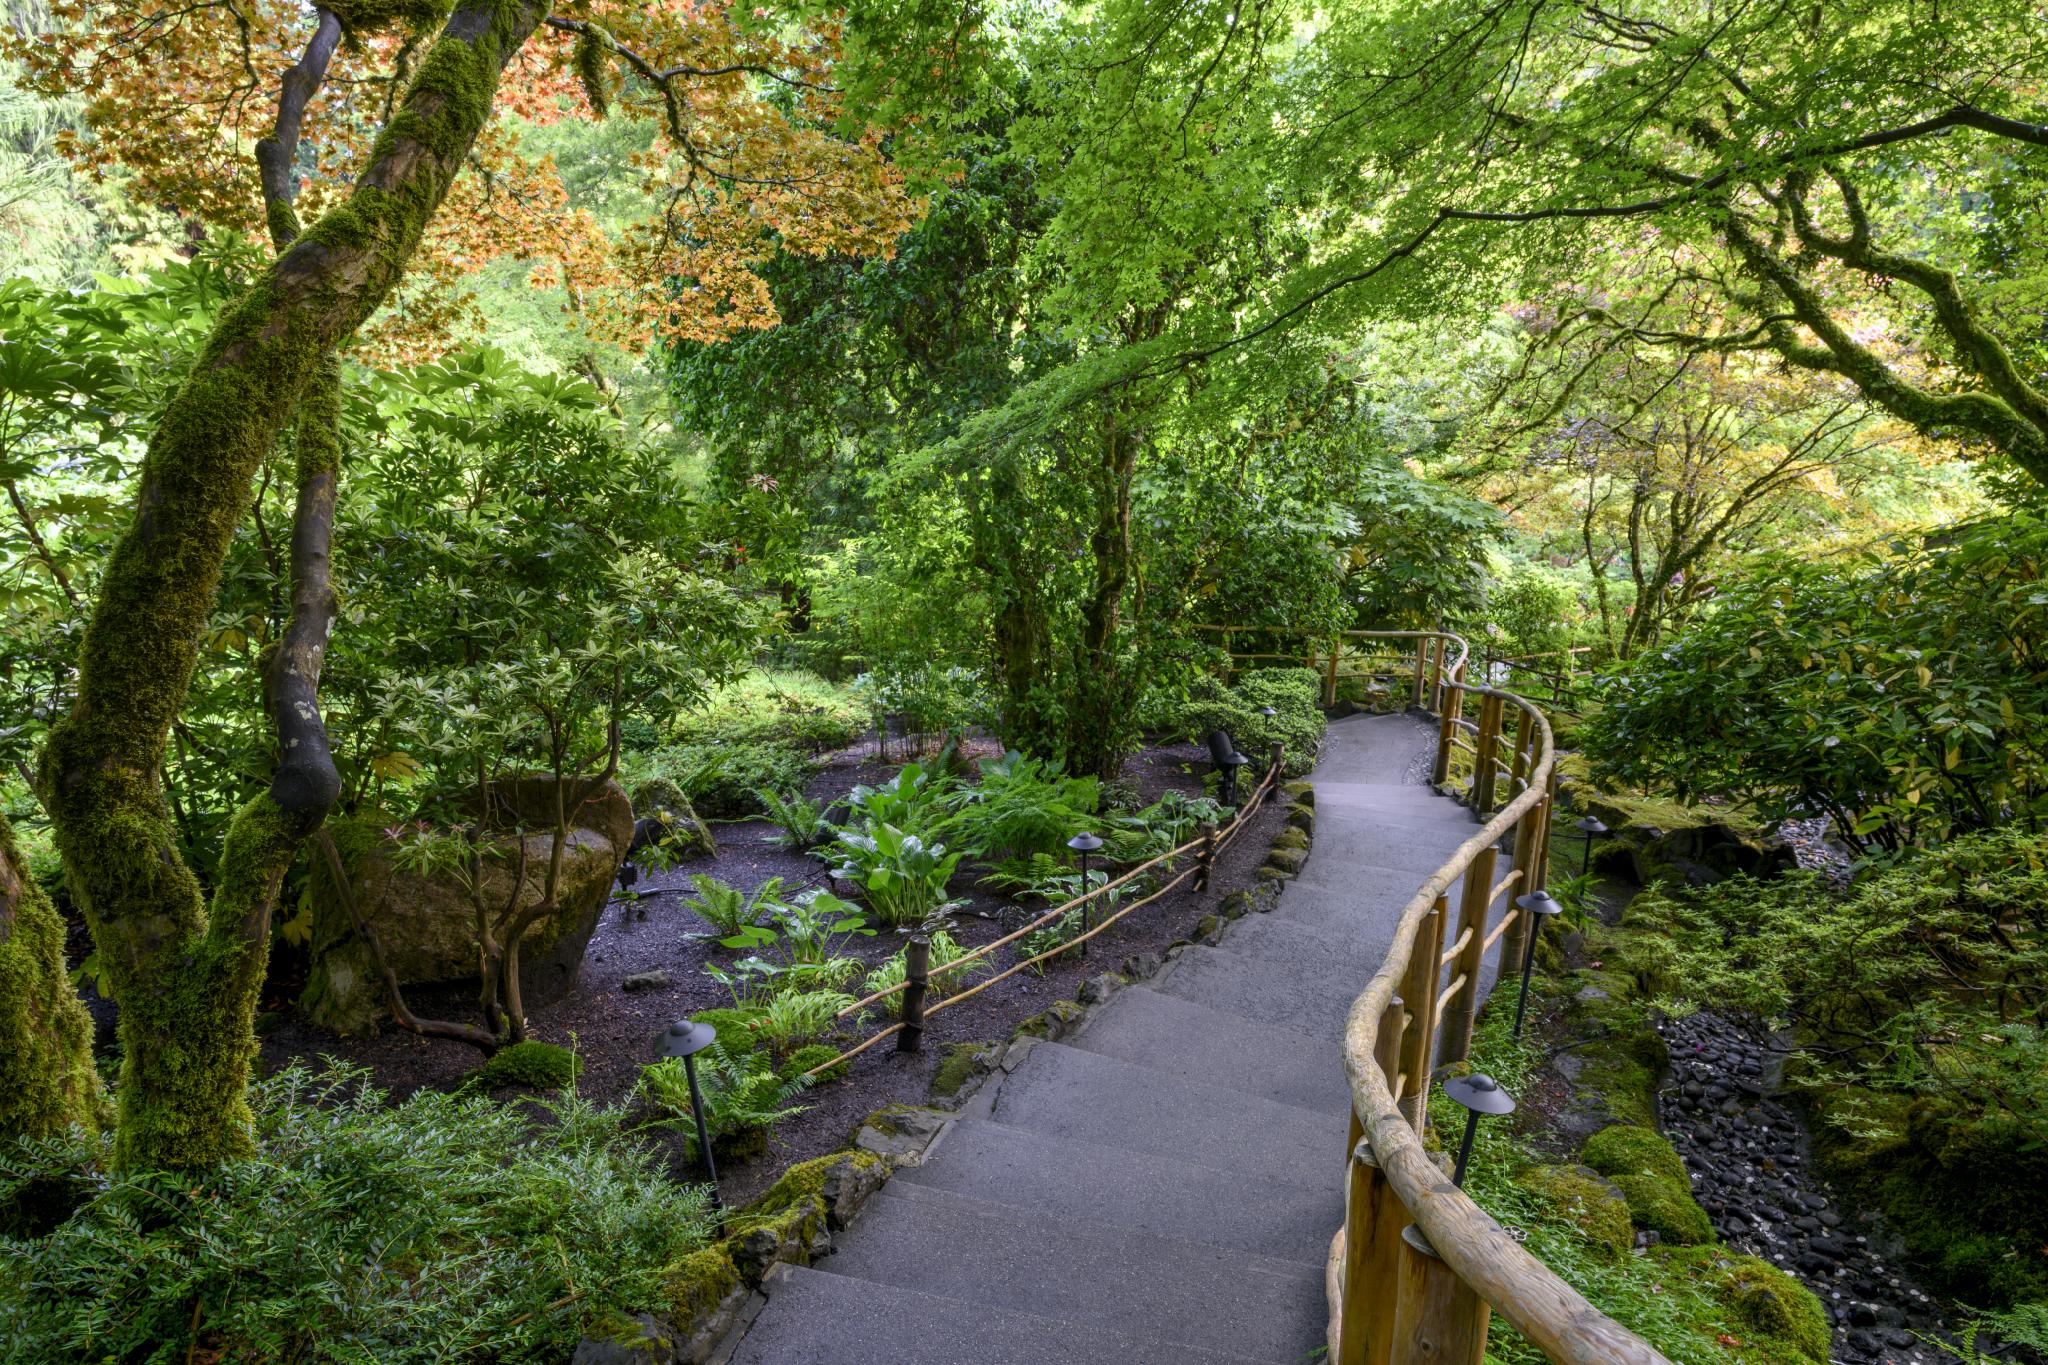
column 901, row 875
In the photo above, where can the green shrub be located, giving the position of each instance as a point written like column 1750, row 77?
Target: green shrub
column 735, row 1028
column 437, row 1228
column 533, row 1064
column 1298, row 722
column 812, row 1054
column 1651, row 1177
column 771, row 706
column 724, row 781
column 1020, row 807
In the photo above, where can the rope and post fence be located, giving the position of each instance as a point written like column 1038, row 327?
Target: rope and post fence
column 917, row 990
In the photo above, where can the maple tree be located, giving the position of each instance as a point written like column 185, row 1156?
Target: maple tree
column 369, row 141
column 254, row 114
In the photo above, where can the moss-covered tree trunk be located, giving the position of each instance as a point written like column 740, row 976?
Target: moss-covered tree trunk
column 185, row 968
column 47, row 1080
column 1104, row 691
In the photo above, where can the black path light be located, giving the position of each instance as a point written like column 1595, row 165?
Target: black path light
column 1223, row 755
column 1592, row 827
column 1479, row 1093
column 1084, row 844
column 1539, row 905
column 685, row 1038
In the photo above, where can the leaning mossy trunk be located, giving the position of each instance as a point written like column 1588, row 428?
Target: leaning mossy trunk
column 185, row 965
column 47, row 1080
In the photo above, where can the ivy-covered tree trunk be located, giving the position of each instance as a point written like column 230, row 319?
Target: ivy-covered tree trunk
column 185, row 967
column 1103, row 691
column 47, row 1080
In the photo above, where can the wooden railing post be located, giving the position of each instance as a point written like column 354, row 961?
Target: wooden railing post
column 1438, row 1318
column 1519, row 774
column 1447, row 726
column 1418, row 984
column 1515, row 941
column 1456, row 1043
column 1436, row 677
column 1373, row 1219
column 916, row 979
column 1421, row 671
column 1330, row 678
column 1486, row 762
column 1205, row 857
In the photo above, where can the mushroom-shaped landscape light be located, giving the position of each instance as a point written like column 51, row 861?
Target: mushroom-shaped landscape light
column 1592, row 826
column 1479, row 1094
column 1539, row 905
column 685, row 1038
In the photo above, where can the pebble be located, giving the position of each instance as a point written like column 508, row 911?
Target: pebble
column 1740, row 1148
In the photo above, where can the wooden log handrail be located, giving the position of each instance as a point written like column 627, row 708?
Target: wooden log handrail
column 1391, row 1176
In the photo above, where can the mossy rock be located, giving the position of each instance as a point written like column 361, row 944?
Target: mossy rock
column 685, row 833
column 1777, row 1320
column 1302, row 817
column 1651, row 1177
column 1270, row 873
column 1236, row 905
column 1301, row 793
column 1288, row 860
column 426, row 922
column 1291, row 838
column 699, row 1285
column 1061, row 1016
column 1586, row 1200
column 532, row 1064
column 962, row 1063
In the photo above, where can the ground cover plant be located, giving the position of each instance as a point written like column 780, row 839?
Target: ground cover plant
column 456, row 1227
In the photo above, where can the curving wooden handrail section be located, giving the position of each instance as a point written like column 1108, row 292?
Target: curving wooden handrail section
column 1418, row 1268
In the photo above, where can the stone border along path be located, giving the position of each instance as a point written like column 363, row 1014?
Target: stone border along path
column 1160, row 1187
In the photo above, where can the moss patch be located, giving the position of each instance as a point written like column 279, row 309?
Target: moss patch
column 535, row 1065
column 47, row 1079
column 1651, row 1177
column 1291, row 838
column 962, row 1062
column 1579, row 1195
column 1784, row 1322
column 696, row 1285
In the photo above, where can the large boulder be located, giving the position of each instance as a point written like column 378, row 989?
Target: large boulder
column 426, row 923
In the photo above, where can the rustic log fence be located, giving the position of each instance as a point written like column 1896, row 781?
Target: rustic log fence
column 1417, row 1270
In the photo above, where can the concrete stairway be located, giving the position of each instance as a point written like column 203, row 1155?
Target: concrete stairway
column 1163, row 1186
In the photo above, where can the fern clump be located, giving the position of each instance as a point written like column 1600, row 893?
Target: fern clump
column 439, row 1227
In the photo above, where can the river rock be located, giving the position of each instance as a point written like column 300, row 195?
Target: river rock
column 427, row 923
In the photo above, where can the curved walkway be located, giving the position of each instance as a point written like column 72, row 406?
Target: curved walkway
column 1161, row 1188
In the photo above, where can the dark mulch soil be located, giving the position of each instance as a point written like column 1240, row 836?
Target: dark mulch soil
column 614, row 1030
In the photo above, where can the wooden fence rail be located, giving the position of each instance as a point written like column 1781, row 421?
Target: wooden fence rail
column 1418, row 1269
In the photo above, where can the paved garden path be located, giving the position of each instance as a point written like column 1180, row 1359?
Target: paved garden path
column 1160, row 1188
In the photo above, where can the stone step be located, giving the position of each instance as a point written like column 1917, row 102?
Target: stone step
column 1064, row 1092
column 1215, row 1047
column 1340, row 894
column 1137, row 1283
column 814, row 1317
column 1308, row 997
column 1090, row 1182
